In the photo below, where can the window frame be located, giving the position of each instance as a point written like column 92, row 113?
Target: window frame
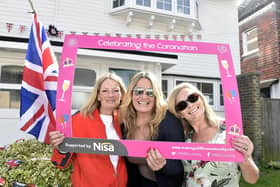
column 183, row 5
column 119, row 3
column 196, row 83
column 171, row 83
column 153, row 7
column 164, row 3
column 143, row 2
column 114, row 69
column 247, row 41
column 10, row 85
column 17, row 86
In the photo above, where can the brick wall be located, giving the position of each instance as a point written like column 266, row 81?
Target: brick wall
column 249, row 91
column 267, row 60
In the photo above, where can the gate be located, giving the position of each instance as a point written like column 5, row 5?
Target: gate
column 271, row 128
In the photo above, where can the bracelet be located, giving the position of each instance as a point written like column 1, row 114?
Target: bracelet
column 248, row 159
column 62, row 152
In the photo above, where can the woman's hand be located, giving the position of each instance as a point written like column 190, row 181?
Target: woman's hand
column 244, row 145
column 249, row 169
column 56, row 138
column 155, row 160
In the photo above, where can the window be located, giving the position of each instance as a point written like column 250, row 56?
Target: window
column 205, row 88
column 146, row 3
column 196, row 10
column 185, row 11
column 164, row 4
column 11, row 74
column 221, row 96
column 265, row 92
column 10, row 81
column 164, row 85
column 79, row 97
column 183, row 6
column 84, row 80
column 84, row 77
column 9, row 98
column 125, row 74
column 250, row 41
column 118, row 3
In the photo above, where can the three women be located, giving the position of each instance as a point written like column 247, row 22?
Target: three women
column 145, row 117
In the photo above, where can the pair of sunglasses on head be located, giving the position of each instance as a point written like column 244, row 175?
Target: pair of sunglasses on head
column 182, row 105
column 140, row 91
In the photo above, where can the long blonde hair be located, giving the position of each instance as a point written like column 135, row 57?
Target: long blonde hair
column 128, row 112
column 210, row 115
column 92, row 102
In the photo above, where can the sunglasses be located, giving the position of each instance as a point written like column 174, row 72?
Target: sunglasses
column 140, row 91
column 182, row 105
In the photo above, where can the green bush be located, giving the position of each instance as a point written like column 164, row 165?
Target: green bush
column 36, row 167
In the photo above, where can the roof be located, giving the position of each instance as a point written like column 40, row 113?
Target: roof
column 268, row 83
column 249, row 7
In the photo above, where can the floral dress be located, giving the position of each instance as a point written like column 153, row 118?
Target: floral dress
column 211, row 173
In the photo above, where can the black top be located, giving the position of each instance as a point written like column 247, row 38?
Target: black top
column 171, row 175
column 171, row 129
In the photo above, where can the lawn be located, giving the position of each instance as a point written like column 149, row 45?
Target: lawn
column 268, row 178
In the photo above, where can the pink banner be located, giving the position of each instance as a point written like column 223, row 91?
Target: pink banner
column 188, row 151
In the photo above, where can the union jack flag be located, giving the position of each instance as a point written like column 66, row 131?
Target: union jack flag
column 13, row 163
column 39, row 83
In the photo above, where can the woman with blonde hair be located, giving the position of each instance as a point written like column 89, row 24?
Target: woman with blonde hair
column 98, row 118
column 210, row 115
column 145, row 117
column 203, row 126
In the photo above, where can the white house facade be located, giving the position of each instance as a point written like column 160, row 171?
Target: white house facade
column 182, row 20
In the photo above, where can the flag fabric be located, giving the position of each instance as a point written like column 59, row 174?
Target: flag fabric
column 13, row 163
column 39, row 84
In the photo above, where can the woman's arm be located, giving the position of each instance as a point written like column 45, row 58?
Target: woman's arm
column 249, row 169
column 136, row 160
column 171, row 130
column 59, row 159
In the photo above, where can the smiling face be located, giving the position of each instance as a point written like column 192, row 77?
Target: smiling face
column 109, row 96
column 142, row 102
column 194, row 111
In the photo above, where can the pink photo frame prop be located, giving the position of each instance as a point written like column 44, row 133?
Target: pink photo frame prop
column 171, row 150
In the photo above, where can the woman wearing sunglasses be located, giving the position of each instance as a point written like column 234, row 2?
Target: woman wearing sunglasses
column 203, row 126
column 145, row 117
column 98, row 118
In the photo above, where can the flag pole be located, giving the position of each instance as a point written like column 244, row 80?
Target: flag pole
column 32, row 6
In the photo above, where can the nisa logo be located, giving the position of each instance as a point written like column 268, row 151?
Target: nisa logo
column 107, row 147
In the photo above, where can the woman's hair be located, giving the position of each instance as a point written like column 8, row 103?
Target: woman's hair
column 92, row 102
column 128, row 112
column 210, row 115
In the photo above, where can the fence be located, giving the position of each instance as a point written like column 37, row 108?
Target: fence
column 271, row 129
